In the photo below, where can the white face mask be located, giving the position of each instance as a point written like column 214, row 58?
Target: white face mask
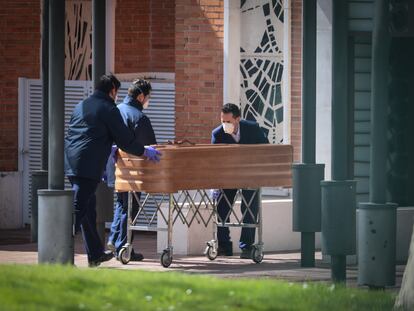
column 228, row 127
column 146, row 104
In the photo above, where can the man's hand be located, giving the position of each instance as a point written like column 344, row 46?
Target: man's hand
column 152, row 154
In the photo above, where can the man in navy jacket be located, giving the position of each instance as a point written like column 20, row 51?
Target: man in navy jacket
column 95, row 125
column 139, row 124
column 233, row 130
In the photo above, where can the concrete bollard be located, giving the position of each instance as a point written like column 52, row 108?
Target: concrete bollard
column 56, row 214
column 377, row 226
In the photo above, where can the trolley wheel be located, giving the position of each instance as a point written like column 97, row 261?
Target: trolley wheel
column 211, row 253
column 166, row 258
column 124, row 255
column 257, row 255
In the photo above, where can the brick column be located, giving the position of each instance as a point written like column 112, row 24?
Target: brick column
column 199, row 27
column 144, row 36
column 296, row 77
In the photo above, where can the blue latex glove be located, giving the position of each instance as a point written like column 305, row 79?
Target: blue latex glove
column 215, row 194
column 152, row 154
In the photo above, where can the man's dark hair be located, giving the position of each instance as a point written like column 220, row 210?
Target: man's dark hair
column 231, row 108
column 139, row 86
column 106, row 83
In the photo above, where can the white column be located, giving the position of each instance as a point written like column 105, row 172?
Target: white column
column 286, row 72
column 323, row 85
column 231, row 76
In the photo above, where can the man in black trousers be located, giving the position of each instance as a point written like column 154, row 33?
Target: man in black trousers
column 95, row 125
column 233, row 130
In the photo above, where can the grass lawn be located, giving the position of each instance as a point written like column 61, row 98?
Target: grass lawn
column 69, row 288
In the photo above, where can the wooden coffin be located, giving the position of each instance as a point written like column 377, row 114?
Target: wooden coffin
column 218, row 166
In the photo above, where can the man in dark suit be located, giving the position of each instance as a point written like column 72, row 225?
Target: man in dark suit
column 139, row 124
column 233, row 130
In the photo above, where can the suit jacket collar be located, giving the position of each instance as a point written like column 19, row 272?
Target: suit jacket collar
column 242, row 125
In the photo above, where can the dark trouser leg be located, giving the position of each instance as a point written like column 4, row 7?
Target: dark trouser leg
column 122, row 199
column 223, row 208
column 93, row 244
column 85, row 212
column 248, row 234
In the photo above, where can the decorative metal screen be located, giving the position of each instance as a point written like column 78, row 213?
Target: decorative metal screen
column 261, row 65
column 78, row 41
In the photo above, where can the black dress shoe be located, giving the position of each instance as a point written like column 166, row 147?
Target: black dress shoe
column 136, row 256
column 246, row 253
column 225, row 249
column 107, row 255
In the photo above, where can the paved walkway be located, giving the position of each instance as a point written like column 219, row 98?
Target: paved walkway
column 284, row 266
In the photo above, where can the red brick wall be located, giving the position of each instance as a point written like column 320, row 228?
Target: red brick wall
column 147, row 43
column 132, row 34
column 162, row 58
column 296, row 78
column 19, row 57
column 144, row 36
column 199, row 67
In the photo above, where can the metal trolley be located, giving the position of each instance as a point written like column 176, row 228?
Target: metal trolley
column 177, row 184
column 202, row 209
